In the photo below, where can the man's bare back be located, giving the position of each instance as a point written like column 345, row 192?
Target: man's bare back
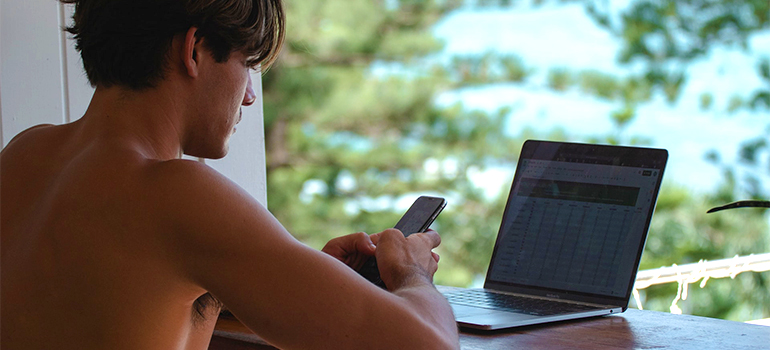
column 83, row 249
column 103, row 247
column 110, row 240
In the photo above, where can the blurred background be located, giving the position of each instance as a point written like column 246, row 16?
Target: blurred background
column 375, row 102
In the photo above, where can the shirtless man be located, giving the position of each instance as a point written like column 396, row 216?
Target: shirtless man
column 111, row 241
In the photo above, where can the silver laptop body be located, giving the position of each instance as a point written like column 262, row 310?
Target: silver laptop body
column 571, row 238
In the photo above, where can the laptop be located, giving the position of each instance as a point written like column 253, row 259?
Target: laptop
column 571, row 238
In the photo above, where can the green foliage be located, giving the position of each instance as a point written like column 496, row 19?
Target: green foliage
column 345, row 144
column 735, row 103
column 622, row 117
column 353, row 132
column 487, row 69
column 631, row 90
column 666, row 35
column 682, row 233
column 706, row 101
column 559, row 79
column 599, row 84
column 761, row 98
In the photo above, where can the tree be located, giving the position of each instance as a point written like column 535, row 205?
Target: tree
column 666, row 36
column 354, row 133
column 350, row 141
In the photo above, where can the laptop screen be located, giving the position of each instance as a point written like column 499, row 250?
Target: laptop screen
column 577, row 218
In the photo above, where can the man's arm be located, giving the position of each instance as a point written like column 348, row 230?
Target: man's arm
column 292, row 295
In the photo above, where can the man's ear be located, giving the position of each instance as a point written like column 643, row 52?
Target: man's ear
column 191, row 48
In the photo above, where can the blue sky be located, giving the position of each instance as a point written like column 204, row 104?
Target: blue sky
column 563, row 36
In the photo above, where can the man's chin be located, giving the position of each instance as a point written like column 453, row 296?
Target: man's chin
column 209, row 154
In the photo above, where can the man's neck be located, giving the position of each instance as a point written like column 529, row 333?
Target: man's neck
column 151, row 122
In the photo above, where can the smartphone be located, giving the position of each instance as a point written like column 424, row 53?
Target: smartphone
column 418, row 218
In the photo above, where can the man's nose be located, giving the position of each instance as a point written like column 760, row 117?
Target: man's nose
column 249, row 96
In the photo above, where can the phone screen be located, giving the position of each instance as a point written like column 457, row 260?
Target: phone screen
column 420, row 215
column 418, row 218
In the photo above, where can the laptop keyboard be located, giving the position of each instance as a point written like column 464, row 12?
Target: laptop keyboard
column 505, row 302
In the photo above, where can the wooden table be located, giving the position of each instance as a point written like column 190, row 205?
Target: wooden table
column 633, row 329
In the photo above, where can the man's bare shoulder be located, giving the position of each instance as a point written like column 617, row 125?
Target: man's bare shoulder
column 183, row 178
column 31, row 130
column 183, row 183
column 212, row 225
column 21, row 139
column 178, row 169
column 200, row 199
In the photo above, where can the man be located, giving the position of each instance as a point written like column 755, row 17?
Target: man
column 111, row 241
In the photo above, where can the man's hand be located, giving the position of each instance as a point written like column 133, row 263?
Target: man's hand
column 353, row 249
column 402, row 259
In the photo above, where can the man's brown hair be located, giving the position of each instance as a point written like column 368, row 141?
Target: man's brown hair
column 125, row 42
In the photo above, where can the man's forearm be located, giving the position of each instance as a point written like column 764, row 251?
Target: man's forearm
column 432, row 307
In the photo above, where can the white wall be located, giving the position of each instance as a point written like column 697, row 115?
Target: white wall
column 42, row 81
column 31, row 74
column 245, row 162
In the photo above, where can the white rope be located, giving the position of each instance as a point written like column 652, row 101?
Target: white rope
column 701, row 271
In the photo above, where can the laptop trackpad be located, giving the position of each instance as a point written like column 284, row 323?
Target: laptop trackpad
column 465, row 311
column 470, row 312
column 493, row 318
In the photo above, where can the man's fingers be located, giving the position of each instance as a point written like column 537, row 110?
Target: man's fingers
column 431, row 237
column 347, row 248
column 364, row 243
column 389, row 234
column 375, row 238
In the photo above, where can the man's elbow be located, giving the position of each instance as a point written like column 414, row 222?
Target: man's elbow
column 438, row 338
